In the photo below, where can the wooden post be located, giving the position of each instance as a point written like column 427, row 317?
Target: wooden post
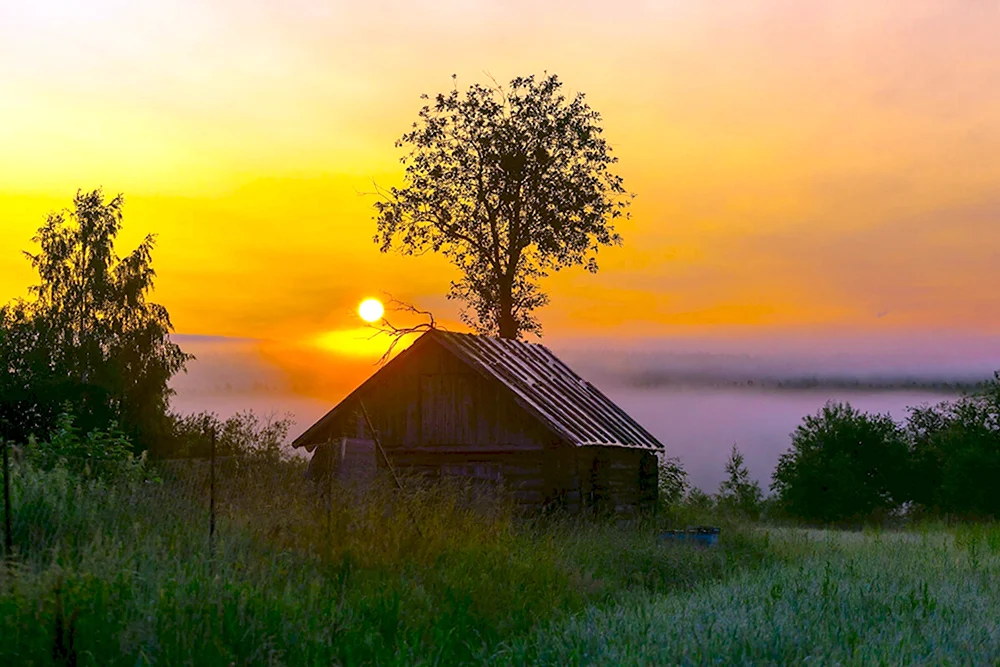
column 378, row 444
column 388, row 463
column 8, row 538
column 211, row 508
column 329, row 498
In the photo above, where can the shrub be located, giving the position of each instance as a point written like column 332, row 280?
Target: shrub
column 739, row 494
column 102, row 453
column 843, row 465
column 699, row 501
column 245, row 434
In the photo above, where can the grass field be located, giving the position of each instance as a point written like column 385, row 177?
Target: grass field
column 122, row 573
column 926, row 597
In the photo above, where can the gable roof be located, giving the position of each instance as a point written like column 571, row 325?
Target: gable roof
column 540, row 383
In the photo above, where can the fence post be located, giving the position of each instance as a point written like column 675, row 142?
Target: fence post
column 7, row 537
column 329, row 497
column 211, row 509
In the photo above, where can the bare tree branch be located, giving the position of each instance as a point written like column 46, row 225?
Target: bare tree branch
column 397, row 334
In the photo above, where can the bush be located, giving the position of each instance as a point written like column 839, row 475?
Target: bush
column 698, row 501
column 738, row 494
column 100, row 453
column 843, row 465
column 955, row 454
column 245, row 434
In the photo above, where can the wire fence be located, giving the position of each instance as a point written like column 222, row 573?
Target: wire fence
column 211, row 509
column 58, row 506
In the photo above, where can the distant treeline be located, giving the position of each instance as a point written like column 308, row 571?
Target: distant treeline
column 666, row 379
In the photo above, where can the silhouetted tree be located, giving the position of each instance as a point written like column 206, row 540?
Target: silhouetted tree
column 738, row 493
column 924, row 429
column 88, row 337
column 509, row 184
column 843, row 464
column 955, row 454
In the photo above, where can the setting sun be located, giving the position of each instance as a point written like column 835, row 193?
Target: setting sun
column 371, row 310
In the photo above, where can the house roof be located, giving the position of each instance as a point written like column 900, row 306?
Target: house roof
column 543, row 385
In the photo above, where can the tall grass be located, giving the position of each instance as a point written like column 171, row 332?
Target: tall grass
column 121, row 573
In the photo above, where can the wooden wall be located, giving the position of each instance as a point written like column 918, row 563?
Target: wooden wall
column 436, row 415
column 616, row 480
column 432, row 399
column 353, row 460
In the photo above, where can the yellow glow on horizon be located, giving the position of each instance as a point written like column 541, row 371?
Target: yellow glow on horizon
column 371, row 310
column 358, row 342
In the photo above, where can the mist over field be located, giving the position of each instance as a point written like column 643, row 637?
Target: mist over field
column 698, row 396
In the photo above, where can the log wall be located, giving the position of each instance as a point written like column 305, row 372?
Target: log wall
column 436, row 415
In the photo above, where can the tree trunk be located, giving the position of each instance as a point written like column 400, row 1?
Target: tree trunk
column 505, row 317
column 508, row 327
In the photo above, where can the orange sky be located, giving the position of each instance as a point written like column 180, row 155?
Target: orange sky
column 797, row 164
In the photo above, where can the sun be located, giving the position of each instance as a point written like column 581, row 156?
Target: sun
column 371, row 310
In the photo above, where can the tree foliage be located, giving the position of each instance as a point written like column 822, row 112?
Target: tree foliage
column 843, row 465
column 509, row 184
column 672, row 481
column 88, row 336
column 955, row 454
column 738, row 493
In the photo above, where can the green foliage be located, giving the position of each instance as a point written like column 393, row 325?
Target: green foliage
column 672, row 481
column 843, row 465
column 103, row 453
column 738, row 493
column 89, row 335
column 245, row 434
column 699, row 501
column 509, row 184
column 955, row 452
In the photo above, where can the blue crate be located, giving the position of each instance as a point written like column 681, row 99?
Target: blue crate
column 706, row 536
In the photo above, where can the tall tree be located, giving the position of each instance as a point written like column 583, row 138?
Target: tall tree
column 90, row 336
column 510, row 184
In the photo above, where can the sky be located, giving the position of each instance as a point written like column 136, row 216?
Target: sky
column 804, row 170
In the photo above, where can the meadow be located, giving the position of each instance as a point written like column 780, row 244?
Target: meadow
column 928, row 596
column 123, row 572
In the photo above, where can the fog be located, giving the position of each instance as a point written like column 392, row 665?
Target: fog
column 698, row 397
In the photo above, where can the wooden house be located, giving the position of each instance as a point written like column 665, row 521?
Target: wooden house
column 497, row 410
